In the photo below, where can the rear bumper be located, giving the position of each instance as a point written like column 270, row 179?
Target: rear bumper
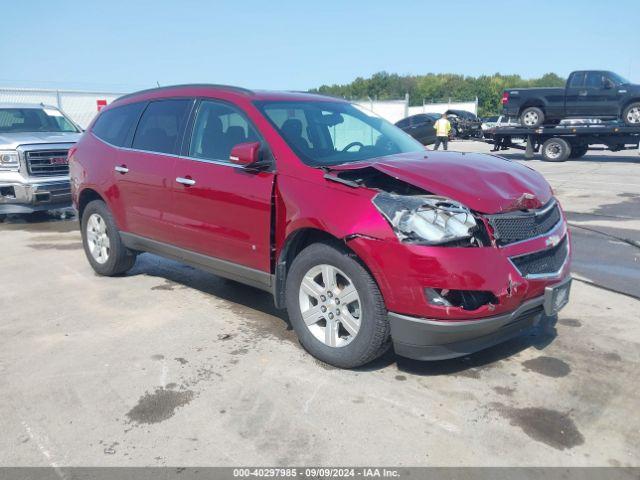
column 33, row 197
column 426, row 339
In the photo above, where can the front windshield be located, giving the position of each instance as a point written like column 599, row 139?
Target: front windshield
column 617, row 79
column 18, row 120
column 332, row 133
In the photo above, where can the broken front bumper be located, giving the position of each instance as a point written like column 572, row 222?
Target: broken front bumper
column 425, row 339
column 32, row 197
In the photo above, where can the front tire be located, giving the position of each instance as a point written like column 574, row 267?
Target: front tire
column 336, row 308
column 556, row 150
column 532, row 117
column 102, row 243
column 631, row 114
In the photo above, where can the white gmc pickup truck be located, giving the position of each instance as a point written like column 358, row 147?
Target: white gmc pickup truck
column 34, row 171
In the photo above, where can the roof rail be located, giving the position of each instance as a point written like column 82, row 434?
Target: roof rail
column 244, row 91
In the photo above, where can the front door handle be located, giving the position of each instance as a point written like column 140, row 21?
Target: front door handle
column 186, row 181
column 582, row 93
column 121, row 169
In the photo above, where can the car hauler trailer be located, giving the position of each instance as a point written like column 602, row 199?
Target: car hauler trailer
column 560, row 143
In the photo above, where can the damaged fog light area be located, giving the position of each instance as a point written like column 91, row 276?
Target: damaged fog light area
column 465, row 299
column 428, row 219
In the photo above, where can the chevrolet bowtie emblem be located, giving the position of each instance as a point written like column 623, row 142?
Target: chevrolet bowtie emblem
column 552, row 241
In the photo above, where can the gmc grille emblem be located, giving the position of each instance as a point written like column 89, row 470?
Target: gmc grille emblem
column 58, row 161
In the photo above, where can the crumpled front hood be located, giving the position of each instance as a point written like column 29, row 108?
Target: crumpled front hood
column 484, row 183
column 14, row 140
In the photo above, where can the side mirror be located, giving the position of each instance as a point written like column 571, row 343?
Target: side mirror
column 245, row 154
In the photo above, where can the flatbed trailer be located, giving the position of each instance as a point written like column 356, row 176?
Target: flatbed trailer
column 560, row 143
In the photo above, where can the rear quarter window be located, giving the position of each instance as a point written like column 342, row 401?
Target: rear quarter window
column 114, row 125
column 577, row 80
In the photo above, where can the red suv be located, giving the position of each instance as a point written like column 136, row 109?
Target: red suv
column 361, row 234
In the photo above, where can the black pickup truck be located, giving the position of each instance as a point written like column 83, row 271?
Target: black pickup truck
column 587, row 94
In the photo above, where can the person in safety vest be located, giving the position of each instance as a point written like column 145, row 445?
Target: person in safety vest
column 443, row 127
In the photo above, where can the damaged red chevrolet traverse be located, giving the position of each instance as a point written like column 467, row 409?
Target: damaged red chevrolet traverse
column 367, row 239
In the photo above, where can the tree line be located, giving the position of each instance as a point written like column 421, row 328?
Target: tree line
column 438, row 87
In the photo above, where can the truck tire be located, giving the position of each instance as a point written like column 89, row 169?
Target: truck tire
column 556, row 150
column 336, row 308
column 102, row 243
column 631, row 114
column 578, row 151
column 532, row 117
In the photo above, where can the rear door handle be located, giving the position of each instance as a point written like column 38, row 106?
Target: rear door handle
column 186, row 181
column 121, row 169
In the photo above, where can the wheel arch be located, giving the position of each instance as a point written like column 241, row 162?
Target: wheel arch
column 297, row 241
column 627, row 103
column 533, row 102
column 87, row 195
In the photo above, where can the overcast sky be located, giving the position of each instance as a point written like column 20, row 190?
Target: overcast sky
column 128, row 45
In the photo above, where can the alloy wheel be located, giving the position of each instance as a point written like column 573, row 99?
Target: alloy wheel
column 330, row 305
column 98, row 238
column 633, row 115
column 530, row 118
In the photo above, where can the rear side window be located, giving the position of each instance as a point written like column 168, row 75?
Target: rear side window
column 160, row 126
column 114, row 125
column 403, row 123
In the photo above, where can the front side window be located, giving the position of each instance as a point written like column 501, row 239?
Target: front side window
column 160, row 126
column 617, row 79
column 332, row 133
column 17, row 120
column 114, row 125
column 217, row 129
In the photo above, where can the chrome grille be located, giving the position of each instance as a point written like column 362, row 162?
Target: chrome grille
column 516, row 226
column 545, row 262
column 47, row 163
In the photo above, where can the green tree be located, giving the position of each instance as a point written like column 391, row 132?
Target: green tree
column 438, row 87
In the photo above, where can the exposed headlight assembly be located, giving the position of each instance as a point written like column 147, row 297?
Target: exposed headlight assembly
column 9, row 161
column 426, row 219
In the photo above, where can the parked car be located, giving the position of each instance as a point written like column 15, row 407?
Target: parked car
column 362, row 235
column 587, row 94
column 464, row 124
column 34, row 173
column 420, row 127
column 490, row 123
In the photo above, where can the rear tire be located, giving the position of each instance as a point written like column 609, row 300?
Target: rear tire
column 578, row 151
column 556, row 150
column 102, row 242
column 532, row 117
column 345, row 333
column 631, row 114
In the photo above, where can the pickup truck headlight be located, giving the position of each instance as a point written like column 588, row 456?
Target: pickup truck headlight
column 426, row 219
column 9, row 161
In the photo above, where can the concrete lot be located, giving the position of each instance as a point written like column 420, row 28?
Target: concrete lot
column 173, row 366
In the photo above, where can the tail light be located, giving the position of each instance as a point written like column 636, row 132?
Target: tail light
column 505, row 98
